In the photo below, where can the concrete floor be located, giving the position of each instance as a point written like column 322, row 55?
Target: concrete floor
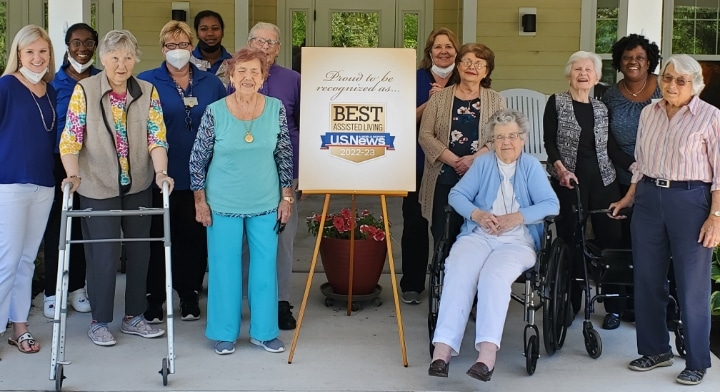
column 334, row 352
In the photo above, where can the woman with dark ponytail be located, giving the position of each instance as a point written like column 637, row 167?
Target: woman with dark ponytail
column 81, row 40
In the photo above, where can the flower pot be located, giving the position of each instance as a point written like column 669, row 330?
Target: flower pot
column 368, row 264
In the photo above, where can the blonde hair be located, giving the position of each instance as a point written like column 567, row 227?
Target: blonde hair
column 26, row 36
column 174, row 28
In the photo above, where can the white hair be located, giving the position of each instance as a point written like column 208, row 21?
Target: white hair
column 119, row 40
column 263, row 26
column 505, row 117
column 583, row 55
column 687, row 65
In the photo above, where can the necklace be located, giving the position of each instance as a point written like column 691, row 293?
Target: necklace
column 502, row 190
column 42, row 117
column 632, row 93
column 248, row 130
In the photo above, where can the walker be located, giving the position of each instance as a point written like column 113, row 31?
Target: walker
column 57, row 357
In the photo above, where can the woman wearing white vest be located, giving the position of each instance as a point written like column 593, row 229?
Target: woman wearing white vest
column 113, row 147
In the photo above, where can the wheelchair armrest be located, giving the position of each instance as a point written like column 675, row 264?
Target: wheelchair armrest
column 551, row 218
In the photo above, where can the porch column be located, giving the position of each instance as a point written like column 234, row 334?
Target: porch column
column 61, row 15
column 644, row 17
column 469, row 28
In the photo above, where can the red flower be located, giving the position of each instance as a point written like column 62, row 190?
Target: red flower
column 339, row 224
column 365, row 213
column 365, row 229
column 379, row 235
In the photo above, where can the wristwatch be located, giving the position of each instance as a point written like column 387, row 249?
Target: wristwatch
column 716, row 213
column 289, row 199
column 161, row 172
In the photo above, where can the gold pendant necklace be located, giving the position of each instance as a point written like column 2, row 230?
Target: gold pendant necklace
column 632, row 93
column 248, row 130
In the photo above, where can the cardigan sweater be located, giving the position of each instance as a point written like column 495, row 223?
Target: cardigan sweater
column 479, row 187
column 434, row 136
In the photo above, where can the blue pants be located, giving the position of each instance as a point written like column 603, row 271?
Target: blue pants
column 224, row 307
column 666, row 222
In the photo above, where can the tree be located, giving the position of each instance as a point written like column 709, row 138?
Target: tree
column 3, row 36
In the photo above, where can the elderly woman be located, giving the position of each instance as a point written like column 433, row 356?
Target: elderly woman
column 241, row 172
column 503, row 199
column 636, row 58
column 450, row 133
column 437, row 71
column 580, row 148
column 27, row 140
column 81, row 41
column 210, row 55
column 676, row 194
column 113, row 148
column 283, row 84
column 185, row 92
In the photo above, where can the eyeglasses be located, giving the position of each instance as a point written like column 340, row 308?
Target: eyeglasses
column 510, row 136
column 470, row 64
column 639, row 59
column 181, row 45
column 679, row 81
column 262, row 42
column 88, row 44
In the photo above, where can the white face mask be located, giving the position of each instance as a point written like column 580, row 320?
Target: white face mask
column 33, row 77
column 443, row 72
column 178, row 58
column 79, row 68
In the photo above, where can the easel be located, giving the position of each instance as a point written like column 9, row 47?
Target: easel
column 301, row 314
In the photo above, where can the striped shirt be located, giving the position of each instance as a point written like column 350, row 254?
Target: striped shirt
column 684, row 148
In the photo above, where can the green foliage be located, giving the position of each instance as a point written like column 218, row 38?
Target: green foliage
column 355, row 29
column 341, row 225
column 410, row 31
column 299, row 28
column 3, row 35
column 715, row 276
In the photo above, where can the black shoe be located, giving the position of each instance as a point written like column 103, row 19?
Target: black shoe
column 438, row 368
column 480, row 371
column 154, row 313
column 690, row 377
column 189, row 307
column 286, row 321
column 611, row 321
column 649, row 362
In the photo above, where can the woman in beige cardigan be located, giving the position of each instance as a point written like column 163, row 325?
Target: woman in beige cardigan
column 450, row 133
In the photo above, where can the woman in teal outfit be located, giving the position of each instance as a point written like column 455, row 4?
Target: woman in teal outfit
column 241, row 174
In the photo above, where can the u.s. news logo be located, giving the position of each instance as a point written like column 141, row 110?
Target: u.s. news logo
column 357, row 132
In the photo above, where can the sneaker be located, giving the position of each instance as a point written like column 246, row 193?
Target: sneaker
column 139, row 326
column 690, row 377
column 154, row 313
column 189, row 307
column 100, row 335
column 79, row 301
column 649, row 362
column 286, row 321
column 274, row 346
column 224, row 348
column 411, row 297
column 49, row 307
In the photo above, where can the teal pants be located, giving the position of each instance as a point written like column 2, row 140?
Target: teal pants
column 224, row 306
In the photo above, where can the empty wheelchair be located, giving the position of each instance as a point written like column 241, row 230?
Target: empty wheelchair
column 546, row 287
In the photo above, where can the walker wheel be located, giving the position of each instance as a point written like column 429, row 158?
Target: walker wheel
column 164, row 372
column 593, row 343
column 59, row 377
column 329, row 302
column 532, row 350
column 377, row 302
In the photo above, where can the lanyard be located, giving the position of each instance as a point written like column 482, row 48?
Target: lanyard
column 188, row 101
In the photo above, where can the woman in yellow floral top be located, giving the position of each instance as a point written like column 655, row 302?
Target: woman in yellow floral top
column 113, row 147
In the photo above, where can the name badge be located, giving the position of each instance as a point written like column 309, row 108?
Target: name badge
column 190, row 101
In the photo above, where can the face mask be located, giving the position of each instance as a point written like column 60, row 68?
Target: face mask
column 443, row 72
column 79, row 68
column 178, row 58
column 209, row 48
column 33, row 77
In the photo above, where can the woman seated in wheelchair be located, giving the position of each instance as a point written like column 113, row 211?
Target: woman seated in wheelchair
column 503, row 198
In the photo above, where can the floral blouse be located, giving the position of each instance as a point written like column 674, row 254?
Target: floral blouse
column 464, row 136
column 71, row 140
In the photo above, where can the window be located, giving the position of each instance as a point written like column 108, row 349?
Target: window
column 299, row 36
column 3, row 35
column 355, row 29
column 606, row 33
column 695, row 27
column 410, row 30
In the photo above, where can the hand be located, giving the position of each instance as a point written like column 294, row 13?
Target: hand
column 434, row 87
column 565, row 177
column 160, row 178
column 284, row 209
column 202, row 213
column 509, row 221
column 486, row 220
column 710, row 232
column 625, row 202
column 74, row 181
column 463, row 164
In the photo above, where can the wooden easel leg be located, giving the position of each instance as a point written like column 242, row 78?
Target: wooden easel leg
column 301, row 314
column 401, row 332
column 353, row 212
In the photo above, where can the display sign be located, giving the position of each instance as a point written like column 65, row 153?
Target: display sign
column 357, row 120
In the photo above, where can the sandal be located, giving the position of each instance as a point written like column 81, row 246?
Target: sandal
column 25, row 338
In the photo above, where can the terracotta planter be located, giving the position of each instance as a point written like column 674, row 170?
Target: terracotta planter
column 368, row 263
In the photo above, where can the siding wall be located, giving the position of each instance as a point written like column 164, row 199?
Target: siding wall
column 145, row 18
column 262, row 11
column 448, row 13
column 534, row 62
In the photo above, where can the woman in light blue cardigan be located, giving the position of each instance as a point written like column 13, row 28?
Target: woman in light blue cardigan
column 503, row 198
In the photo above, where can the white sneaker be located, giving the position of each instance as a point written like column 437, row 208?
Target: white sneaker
column 49, row 307
column 79, row 301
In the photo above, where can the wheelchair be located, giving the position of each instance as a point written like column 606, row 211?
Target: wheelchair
column 546, row 287
column 603, row 267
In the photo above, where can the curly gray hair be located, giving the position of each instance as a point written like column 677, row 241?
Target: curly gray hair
column 122, row 40
column 504, row 117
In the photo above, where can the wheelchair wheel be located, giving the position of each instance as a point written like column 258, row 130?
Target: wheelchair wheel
column 680, row 341
column 532, row 353
column 548, row 276
column 593, row 342
column 561, row 297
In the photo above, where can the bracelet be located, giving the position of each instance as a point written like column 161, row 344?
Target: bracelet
column 78, row 177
